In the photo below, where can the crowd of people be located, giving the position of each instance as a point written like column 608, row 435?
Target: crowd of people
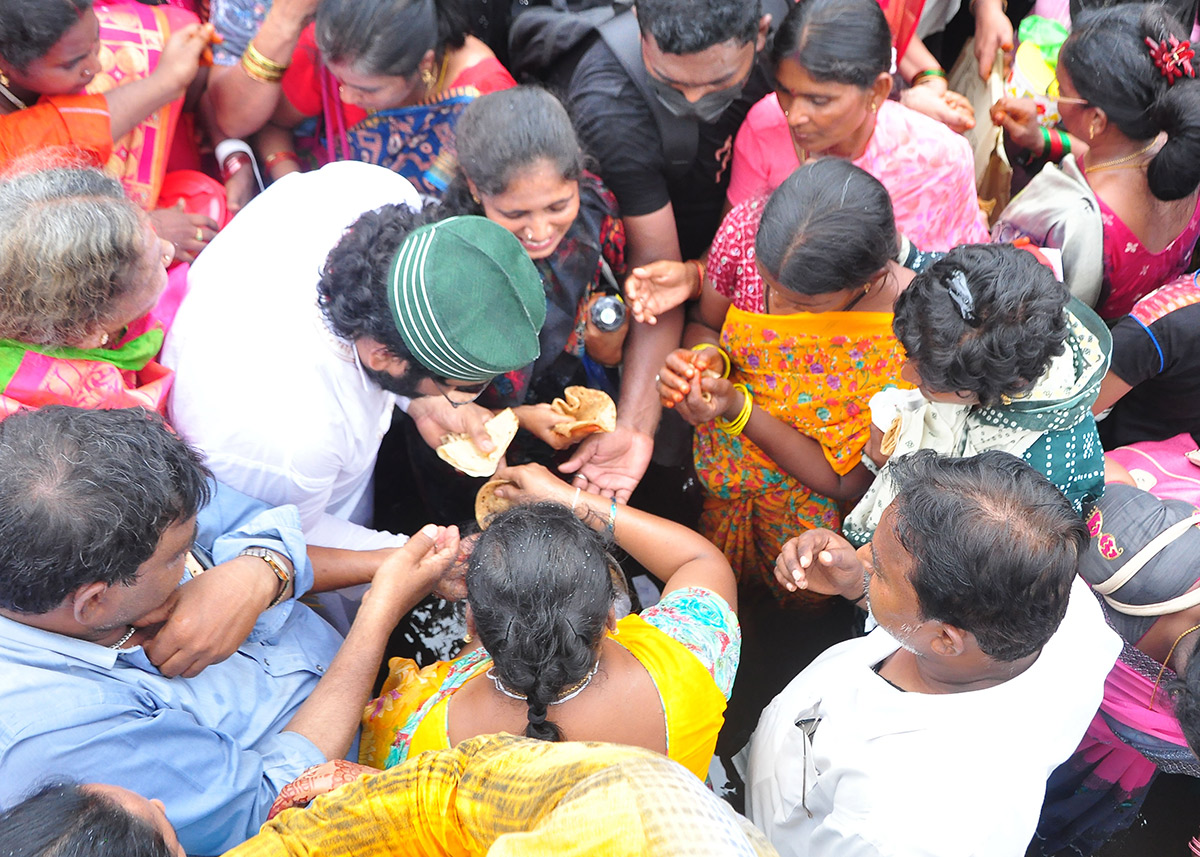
column 261, row 261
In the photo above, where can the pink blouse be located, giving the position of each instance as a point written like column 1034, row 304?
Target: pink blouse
column 927, row 168
column 1130, row 270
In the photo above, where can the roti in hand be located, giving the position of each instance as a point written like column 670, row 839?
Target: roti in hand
column 460, row 452
column 488, row 504
column 592, row 410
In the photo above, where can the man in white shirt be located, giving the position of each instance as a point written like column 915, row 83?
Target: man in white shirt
column 935, row 733
column 289, row 396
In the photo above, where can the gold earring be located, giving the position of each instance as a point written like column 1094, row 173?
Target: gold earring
column 468, row 639
column 478, row 201
column 427, row 78
column 1092, row 132
column 104, row 340
column 874, row 106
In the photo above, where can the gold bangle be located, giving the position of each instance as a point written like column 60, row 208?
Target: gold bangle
column 260, row 73
column 256, row 56
column 737, row 425
column 728, row 362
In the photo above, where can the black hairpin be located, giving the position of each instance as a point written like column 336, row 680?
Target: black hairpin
column 960, row 293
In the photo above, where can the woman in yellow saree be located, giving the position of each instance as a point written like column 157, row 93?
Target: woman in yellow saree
column 795, row 320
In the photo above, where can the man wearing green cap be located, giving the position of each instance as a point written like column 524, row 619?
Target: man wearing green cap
column 288, row 363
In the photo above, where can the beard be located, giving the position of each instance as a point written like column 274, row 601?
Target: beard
column 402, row 385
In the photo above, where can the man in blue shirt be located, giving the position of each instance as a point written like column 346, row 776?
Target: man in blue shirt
column 107, row 520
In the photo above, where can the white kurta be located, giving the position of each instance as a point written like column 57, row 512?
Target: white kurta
column 894, row 773
column 279, row 405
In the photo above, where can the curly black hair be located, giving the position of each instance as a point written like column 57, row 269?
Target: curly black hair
column 540, row 590
column 985, row 319
column 85, row 497
column 352, row 291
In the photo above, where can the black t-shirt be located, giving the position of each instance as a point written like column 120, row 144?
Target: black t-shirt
column 1158, row 353
column 618, row 129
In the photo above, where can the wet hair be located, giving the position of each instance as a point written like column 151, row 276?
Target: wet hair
column 352, row 291
column 1018, row 323
column 68, row 820
column 85, row 497
column 1185, row 691
column 389, row 37
column 540, row 589
column 1108, row 61
column 691, row 26
column 838, row 41
column 503, row 133
column 828, row 227
column 72, row 246
column 28, row 30
column 994, row 546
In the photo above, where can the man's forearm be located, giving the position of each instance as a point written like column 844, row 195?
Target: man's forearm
column 645, row 352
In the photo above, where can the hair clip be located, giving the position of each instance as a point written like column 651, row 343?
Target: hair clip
column 960, row 293
column 1172, row 57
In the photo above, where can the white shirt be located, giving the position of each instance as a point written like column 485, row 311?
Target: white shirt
column 895, row 773
column 279, row 405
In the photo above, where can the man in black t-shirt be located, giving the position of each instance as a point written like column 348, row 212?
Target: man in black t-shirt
column 702, row 60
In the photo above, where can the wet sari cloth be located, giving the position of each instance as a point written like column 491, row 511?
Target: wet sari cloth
column 816, row 372
column 131, row 40
column 33, row 376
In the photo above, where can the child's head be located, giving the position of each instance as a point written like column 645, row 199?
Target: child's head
column 983, row 322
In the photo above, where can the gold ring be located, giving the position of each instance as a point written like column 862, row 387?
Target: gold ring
column 199, row 234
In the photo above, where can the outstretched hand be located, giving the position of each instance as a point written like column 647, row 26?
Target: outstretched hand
column 611, row 463
column 823, row 562
column 659, row 287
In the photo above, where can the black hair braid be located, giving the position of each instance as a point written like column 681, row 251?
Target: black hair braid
column 540, row 592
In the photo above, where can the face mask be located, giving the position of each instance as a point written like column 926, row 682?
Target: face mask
column 708, row 108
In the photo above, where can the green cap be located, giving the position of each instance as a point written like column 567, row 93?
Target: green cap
column 467, row 299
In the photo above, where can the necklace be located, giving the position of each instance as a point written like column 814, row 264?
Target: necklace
column 1158, row 680
column 119, row 643
column 568, row 693
column 1116, row 162
column 7, row 93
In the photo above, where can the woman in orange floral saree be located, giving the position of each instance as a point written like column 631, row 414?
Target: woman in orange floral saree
column 801, row 292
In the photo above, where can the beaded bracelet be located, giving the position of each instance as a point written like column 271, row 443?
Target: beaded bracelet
column 703, row 345
column 737, row 425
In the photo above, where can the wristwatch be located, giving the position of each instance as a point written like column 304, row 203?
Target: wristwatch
column 279, row 566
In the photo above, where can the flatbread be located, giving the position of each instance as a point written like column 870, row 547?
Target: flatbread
column 461, row 453
column 487, row 504
column 593, row 411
